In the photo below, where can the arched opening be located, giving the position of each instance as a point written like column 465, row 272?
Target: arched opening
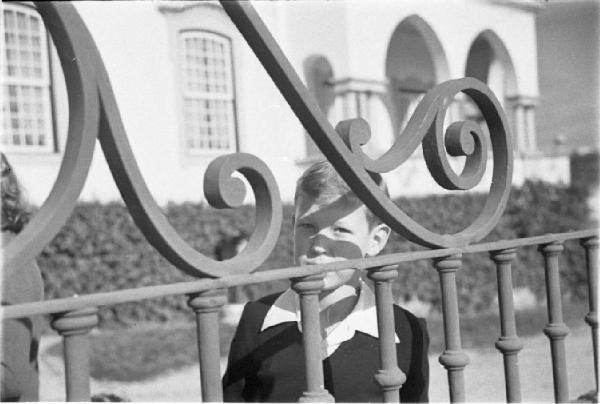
column 346, row 98
column 489, row 61
column 415, row 63
column 318, row 74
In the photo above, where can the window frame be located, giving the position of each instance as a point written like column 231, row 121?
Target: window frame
column 229, row 96
column 44, row 82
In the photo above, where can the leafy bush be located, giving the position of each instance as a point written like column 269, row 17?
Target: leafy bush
column 534, row 209
column 100, row 249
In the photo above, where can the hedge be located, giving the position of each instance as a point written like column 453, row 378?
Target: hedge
column 100, row 249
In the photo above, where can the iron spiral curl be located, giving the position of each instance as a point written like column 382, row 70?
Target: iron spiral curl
column 343, row 148
column 462, row 138
column 68, row 31
column 224, row 191
column 93, row 112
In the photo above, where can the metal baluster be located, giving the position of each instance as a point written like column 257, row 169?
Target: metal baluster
column 207, row 305
column 389, row 378
column 453, row 358
column 308, row 288
column 556, row 329
column 591, row 256
column 508, row 343
column 74, row 327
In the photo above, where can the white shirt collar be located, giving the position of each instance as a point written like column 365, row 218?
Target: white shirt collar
column 363, row 318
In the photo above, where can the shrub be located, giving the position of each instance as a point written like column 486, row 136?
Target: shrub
column 101, row 249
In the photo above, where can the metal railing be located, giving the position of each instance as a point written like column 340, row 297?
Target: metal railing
column 93, row 113
column 74, row 317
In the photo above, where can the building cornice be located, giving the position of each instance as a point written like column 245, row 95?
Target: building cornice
column 174, row 7
column 532, row 6
column 525, row 100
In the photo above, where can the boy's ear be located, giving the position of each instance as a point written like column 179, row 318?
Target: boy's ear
column 379, row 238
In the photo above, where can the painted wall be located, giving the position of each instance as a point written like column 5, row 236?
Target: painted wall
column 137, row 42
column 568, row 37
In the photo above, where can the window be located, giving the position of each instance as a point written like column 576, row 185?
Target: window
column 26, row 108
column 209, row 117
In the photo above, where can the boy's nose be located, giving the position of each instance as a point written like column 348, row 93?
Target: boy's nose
column 318, row 244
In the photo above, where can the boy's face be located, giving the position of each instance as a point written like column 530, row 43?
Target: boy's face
column 335, row 229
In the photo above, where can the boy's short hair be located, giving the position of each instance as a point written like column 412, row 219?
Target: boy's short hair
column 322, row 180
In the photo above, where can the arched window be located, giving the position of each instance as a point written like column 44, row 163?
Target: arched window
column 489, row 61
column 415, row 62
column 208, row 91
column 26, row 101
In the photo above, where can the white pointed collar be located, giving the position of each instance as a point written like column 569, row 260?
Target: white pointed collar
column 363, row 318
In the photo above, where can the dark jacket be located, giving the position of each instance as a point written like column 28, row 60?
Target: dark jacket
column 269, row 365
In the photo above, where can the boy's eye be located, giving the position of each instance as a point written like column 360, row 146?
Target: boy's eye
column 341, row 230
column 304, row 226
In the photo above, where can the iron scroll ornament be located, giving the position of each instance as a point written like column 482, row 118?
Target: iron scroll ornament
column 343, row 148
column 93, row 112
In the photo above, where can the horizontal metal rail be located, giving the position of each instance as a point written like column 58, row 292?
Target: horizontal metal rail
column 182, row 288
column 93, row 113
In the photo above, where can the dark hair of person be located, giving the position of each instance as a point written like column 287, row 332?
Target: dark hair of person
column 322, row 180
column 15, row 211
column 228, row 247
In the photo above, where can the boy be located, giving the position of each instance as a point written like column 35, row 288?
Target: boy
column 266, row 357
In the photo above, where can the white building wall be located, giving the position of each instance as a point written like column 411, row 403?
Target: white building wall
column 456, row 23
column 141, row 74
column 136, row 43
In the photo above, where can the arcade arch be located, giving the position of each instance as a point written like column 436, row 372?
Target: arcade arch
column 489, row 61
column 415, row 62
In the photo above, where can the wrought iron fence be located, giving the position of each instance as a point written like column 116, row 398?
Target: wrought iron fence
column 93, row 113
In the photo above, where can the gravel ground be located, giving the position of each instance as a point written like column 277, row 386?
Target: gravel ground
column 484, row 376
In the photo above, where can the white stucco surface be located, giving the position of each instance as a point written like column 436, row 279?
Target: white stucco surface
column 138, row 44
